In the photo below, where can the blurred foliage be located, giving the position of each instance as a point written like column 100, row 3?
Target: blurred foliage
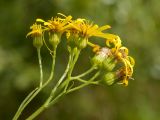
column 137, row 22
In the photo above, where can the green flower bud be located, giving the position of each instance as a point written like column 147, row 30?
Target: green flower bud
column 109, row 63
column 38, row 41
column 98, row 59
column 110, row 78
column 81, row 42
column 54, row 39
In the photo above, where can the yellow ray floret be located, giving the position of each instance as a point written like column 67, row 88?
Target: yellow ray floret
column 36, row 29
column 88, row 29
column 56, row 24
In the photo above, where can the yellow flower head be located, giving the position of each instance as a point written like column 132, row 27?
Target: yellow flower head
column 57, row 24
column 36, row 30
column 86, row 29
column 37, row 35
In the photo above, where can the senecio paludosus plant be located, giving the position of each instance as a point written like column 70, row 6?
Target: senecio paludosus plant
column 110, row 64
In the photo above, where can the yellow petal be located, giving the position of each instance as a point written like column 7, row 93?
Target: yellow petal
column 61, row 14
column 91, row 44
column 110, row 36
column 108, row 42
column 124, row 49
column 104, row 27
column 39, row 20
column 47, row 23
column 96, row 48
column 131, row 60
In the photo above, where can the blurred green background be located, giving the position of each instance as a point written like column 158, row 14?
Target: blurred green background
column 137, row 22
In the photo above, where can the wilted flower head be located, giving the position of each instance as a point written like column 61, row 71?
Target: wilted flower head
column 121, row 55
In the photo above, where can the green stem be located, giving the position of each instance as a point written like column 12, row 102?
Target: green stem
column 85, row 81
column 85, row 84
column 43, row 107
column 71, row 69
column 36, row 113
column 47, row 102
column 22, row 104
column 60, row 80
column 27, row 101
column 40, row 67
column 66, row 71
column 85, row 73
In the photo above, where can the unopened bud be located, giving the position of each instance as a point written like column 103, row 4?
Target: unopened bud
column 98, row 59
column 110, row 78
column 54, row 39
column 109, row 63
column 38, row 41
column 81, row 42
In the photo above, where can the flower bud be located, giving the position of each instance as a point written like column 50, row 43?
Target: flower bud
column 110, row 78
column 54, row 39
column 37, row 34
column 81, row 42
column 38, row 41
column 98, row 59
column 109, row 63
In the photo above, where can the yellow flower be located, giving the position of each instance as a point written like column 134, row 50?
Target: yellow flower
column 57, row 24
column 36, row 30
column 37, row 34
column 86, row 29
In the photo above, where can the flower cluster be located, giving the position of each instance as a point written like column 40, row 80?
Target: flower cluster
column 113, row 59
column 111, row 63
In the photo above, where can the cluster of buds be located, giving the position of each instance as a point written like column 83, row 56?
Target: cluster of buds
column 112, row 60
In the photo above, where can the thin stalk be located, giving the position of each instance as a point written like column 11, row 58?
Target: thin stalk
column 66, row 71
column 47, row 102
column 85, row 73
column 71, row 69
column 23, row 106
column 40, row 66
column 43, row 107
column 60, row 80
column 85, row 81
column 23, row 103
column 85, row 84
